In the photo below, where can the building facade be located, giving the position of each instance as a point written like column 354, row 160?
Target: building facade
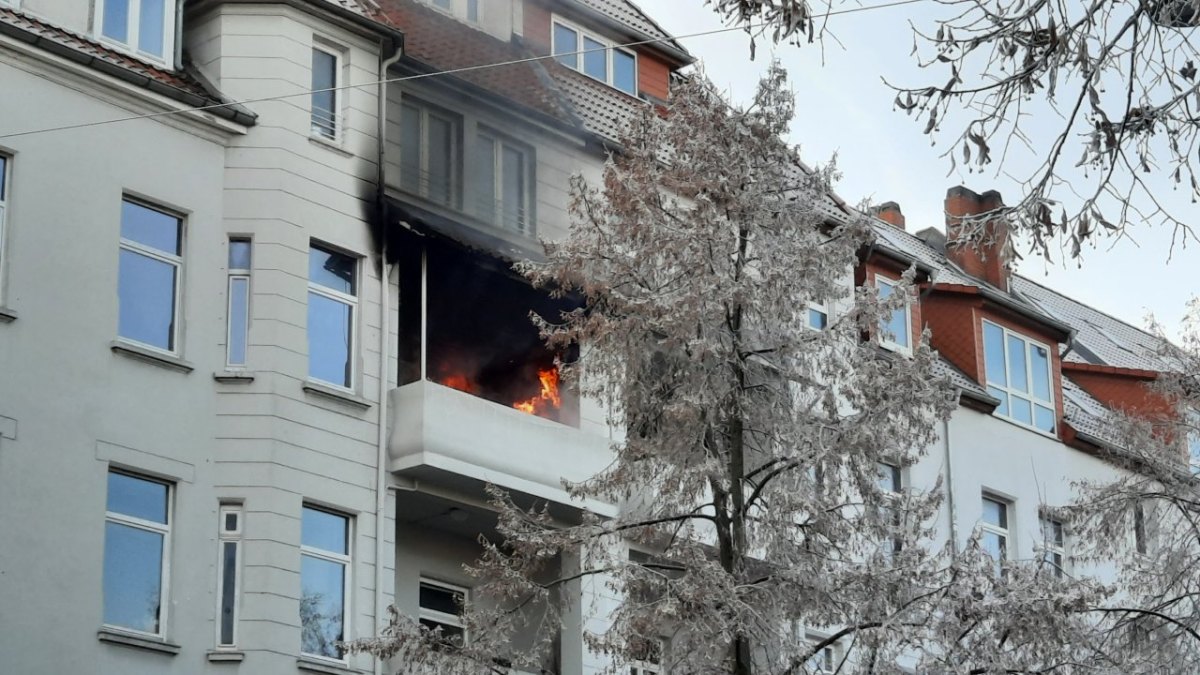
column 287, row 352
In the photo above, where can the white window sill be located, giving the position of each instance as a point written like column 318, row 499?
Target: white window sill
column 313, row 664
column 117, row 637
column 330, row 144
column 336, row 394
column 150, row 356
column 234, row 376
column 226, row 656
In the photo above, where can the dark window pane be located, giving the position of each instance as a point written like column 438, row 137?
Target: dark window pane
column 146, row 299
column 324, row 530
column 513, row 178
column 150, row 228
column 625, row 72
column 229, row 569
column 440, row 599
column 239, row 315
column 566, row 43
column 132, row 577
column 231, row 522
column 137, row 498
column 485, row 163
column 595, row 59
column 3, row 175
column 324, row 98
column 329, row 337
column 993, row 352
column 151, row 26
column 1039, row 363
column 1044, row 418
column 450, row 634
column 889, row 478
column 239, row 254
column 1017, row 378
column 116, row 20
column 322, row 585
column 331, row 270
column 441, row 149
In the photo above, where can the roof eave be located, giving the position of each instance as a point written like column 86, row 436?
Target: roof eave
column 678, row 54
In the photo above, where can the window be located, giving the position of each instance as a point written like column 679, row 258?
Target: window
column 324, row 581
column 818, row 315
column 995, row 531
column 595, row 57
column 137, row 537
column 1191, row 417
column 148, row 282
column 5, row 165
column 326, row 71
column 442, row 4
column 824, row 661
column 894, row 330
column 1018, row 373
column 503, row 184
column 332, row 304
column 238, row 311
column 473, row 11
column 429, row 156
column 228, row 576
column 648, row 656
column 1053, row 545
column 146, row 27
column 891, row 484
column 1141, row 541
column 441, row 607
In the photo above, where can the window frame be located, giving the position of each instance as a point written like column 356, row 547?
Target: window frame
column 1005, row 532
column 132, row 29
column 822, row 308
column 826, row 658
column 347, row 562
column 336, row 121
column 895, row 476
column 526, row 222
column 351, row 301
column 226, row 537
column 425, row 111
column 576, row 52
column 885, row 341
column 1006, row 388
column 238, row 274
column 442, row 617
column 177, row 261
column 1051, row 547
column 164, row 591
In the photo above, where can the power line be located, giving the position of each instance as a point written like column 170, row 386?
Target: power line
column 452, row 71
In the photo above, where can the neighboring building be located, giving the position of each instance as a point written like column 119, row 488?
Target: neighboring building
column 258, row 361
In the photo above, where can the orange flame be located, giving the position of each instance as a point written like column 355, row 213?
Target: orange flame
column 460, row 382
column 547, row 398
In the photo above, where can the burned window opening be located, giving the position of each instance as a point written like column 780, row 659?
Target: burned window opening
column 479, row 337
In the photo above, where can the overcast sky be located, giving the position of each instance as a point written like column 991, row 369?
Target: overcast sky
column 845, row 108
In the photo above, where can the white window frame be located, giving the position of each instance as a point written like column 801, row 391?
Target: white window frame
column 1051, row 548
column 161, row 256
column 164, row 591
column 823, row 308
column 346, row 299
column 884, row 340
column 826, row 659
column 238, row 274
column 5, row 189
column 425, row 111
column 576, row 52
column 1005, row 533
column 525, row 224
column 442, row 617
column 893, row 492
column 337, row 119
column 347, row 562
column 1023, row 395
column 225, row 538
column 132, row 25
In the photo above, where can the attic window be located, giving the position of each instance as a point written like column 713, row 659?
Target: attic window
column 595, row 56
column 144, row 27
column 1018, row 373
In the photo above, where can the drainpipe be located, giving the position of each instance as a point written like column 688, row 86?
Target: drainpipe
column 385, row 274
column 950, row 484
column 178, row 35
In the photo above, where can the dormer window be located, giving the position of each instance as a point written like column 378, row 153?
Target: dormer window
column 144, row 27
column 595, row 56
column 1018, row 373
column 894, row 329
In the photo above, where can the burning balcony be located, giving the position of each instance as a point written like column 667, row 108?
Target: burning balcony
column 480, row 395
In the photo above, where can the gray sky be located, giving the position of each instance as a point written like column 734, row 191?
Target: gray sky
column 844, row 108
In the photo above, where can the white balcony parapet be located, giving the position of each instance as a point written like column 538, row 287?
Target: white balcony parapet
column 437, row 430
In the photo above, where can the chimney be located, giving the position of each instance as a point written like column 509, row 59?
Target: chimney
column 889, row 212
column 985, row 255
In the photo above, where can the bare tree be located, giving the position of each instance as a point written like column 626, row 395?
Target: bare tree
column 1115, row 79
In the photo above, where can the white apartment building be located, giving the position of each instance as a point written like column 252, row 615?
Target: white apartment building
column 258, row 361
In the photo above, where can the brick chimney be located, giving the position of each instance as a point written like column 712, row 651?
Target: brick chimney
column 889, row 212
column 986, row 257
